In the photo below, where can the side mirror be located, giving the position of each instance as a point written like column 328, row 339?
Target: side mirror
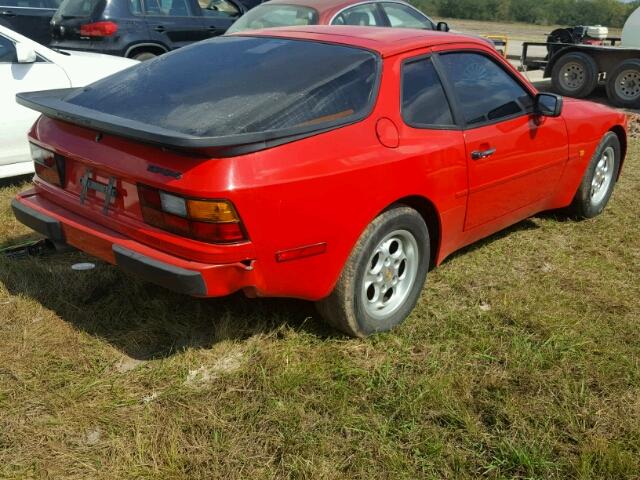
column 548, row 105
column 24, row 53
column 442, row 27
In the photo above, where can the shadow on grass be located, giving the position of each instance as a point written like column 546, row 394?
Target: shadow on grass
column 145, row 321
column 524, row 225
column 15, row 181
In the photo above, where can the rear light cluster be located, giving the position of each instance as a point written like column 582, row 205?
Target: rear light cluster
column 213, row 221
column 49, row 166
column 98, row 29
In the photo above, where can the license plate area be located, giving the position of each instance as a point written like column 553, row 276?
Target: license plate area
column 107, row 191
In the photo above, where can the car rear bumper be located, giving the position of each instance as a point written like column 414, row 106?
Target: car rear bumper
column 175, row 273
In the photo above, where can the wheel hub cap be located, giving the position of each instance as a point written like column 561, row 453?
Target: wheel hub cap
column 390, row 274
column 602, row 176
column 572, row 76
column 627, row 85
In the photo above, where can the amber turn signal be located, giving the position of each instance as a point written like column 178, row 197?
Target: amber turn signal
column 216, row 211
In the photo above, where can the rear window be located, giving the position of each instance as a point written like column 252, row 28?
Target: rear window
column 270, row 16
column 78, row 8
column 241, row 85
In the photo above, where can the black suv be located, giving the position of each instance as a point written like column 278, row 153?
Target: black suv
column 139, row 29
column 29, row 17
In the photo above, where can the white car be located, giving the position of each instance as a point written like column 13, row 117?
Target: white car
column 28, row 66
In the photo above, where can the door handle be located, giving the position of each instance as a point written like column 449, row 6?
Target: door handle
column 480, row 154
column 159, row 28
column 7, row 13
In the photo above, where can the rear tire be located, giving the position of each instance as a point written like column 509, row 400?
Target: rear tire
column 623, row 84
column 575, row 74
column 599, row 179
column 144, row 56
column 383, row 277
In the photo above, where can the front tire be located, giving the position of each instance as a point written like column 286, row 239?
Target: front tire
column 599, row 179
column 383, row 277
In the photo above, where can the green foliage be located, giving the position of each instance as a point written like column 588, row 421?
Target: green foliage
column 611, row 13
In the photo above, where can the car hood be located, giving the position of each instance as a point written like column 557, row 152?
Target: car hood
column 83, row 68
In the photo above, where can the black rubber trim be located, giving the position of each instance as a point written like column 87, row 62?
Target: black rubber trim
column 177, row 279
column 47, row 226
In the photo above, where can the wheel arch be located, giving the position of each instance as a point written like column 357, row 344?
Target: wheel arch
column 429, row 213
column 622, row 137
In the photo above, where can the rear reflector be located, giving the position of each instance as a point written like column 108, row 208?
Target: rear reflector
column 301, row 252
column 98, row 29
column 213, row 221
column 49, row 166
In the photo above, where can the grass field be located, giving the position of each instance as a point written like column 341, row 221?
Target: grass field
column 522, row 360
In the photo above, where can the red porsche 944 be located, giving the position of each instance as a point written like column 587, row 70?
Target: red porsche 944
column 333, row 164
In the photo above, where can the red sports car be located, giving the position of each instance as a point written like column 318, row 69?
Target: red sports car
column 333, row 164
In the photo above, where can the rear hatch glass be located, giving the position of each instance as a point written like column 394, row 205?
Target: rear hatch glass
column 227, row 91
column 77, row 8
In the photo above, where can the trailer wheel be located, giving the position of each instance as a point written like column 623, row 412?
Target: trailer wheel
column 575, row 74
column 623, row 84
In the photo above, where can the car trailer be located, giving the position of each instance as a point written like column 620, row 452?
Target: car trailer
column 579, row 59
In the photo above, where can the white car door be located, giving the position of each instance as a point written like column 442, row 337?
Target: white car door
column 16, row 120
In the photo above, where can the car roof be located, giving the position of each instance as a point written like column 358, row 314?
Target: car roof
column 386, row 41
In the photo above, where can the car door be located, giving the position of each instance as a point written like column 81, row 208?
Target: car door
column 515, row 158
column 174, row 22
column 29, row 17
column 15, row 77
column 219, row 15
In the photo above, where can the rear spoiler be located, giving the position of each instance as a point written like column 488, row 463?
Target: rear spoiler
column 53, row 104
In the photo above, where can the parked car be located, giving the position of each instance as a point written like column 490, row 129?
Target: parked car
column 29, row 17
column 380, row 13
column 139, row 29
column 26, row 65
column 302, row 171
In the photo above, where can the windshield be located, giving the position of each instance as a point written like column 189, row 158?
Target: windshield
column 270, row 16
column 241, row 85
column 77, row 8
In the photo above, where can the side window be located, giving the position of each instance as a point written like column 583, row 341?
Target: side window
column 7, row 51
column 424, row 102
column 134, row 6
column 401, row 16
column 173, row 8
column 485, row 91
column 222, row 6
column 365, row 15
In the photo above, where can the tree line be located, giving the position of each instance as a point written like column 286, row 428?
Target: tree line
column 611, row 13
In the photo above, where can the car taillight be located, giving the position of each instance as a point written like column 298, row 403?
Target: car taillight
column 49, row 166
column 213, row 221
column 98, row 29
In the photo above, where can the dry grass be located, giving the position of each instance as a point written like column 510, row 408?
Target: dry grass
column 514, row 30
column 521, row 361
